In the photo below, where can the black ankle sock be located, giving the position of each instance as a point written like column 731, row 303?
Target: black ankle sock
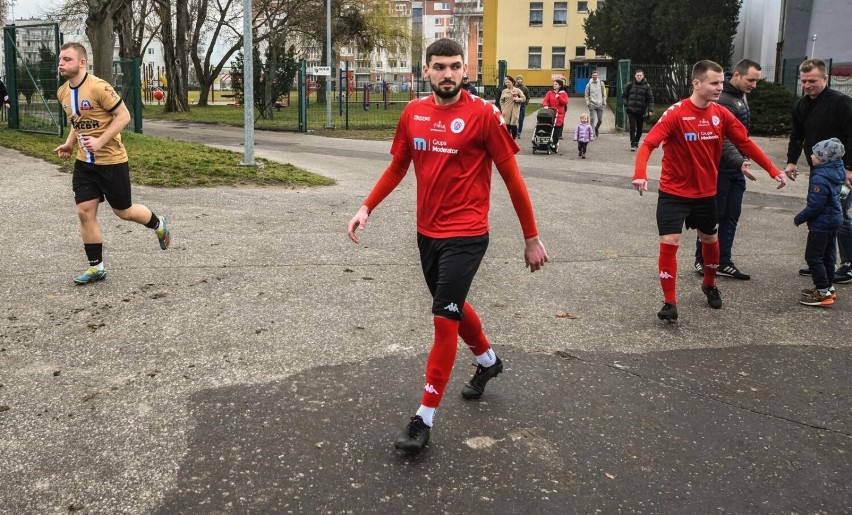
column 154, row 222
column 94, row 252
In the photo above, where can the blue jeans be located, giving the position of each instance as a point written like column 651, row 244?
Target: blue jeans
column 844, row 234
column 521, row 119
column 730, row 189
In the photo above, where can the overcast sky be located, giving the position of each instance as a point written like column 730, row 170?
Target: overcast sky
column 30, row 8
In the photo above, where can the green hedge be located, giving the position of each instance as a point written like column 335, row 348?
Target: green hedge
column 771, row 106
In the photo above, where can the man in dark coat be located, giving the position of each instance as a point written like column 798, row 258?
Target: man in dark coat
column 638, row 101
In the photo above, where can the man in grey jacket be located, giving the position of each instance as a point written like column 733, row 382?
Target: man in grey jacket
column 733, row 170
column 596, row 101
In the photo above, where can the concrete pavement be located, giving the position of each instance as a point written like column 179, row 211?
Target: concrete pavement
column 264, row 363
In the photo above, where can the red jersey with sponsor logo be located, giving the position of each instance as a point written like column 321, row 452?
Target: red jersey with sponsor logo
column 692, row 143
column 453, row 148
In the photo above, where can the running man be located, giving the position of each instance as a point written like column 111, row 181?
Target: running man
column 692, row 132
column 453, row 174
column 101, row 171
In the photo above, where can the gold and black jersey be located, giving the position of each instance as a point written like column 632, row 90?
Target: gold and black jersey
column 90, row 108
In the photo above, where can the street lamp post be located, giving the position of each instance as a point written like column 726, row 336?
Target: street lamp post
column 248, row 87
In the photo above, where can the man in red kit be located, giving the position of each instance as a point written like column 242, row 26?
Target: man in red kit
column 452, row 138
column 692, row 132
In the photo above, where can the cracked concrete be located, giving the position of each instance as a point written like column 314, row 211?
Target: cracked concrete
column 265, row 363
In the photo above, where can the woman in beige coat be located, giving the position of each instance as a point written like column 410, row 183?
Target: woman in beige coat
column 511, row 100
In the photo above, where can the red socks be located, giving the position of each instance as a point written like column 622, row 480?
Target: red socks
column 710, row 253
column 668, row 271
column 439, row 366
column 470, row 330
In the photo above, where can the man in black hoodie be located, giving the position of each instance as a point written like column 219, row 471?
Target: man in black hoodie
column 733, row 170
column 821, row 114
column 638, row 101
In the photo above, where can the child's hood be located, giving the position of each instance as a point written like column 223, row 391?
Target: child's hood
column 832, row 171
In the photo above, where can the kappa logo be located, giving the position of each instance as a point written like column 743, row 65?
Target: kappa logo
column 713, row 266
column 666, row 275
column 420, row 144
column 420, row 118
column 430, row 389
column 452, row 307
column 690, row 136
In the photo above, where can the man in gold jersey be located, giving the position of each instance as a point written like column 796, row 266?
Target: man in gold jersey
column 97, row 115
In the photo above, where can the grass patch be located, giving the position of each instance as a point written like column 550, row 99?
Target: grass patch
column 158, row 161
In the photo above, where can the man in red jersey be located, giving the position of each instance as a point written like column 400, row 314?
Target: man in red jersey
column 692, row 132
column 452, row 138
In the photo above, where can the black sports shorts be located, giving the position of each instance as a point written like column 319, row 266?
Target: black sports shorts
column 94, row 181
column 697, row 213
column 449, row 265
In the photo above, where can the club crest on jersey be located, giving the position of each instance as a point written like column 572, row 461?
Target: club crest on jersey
column 85, row 105
column 457, row 125
column 715, row 120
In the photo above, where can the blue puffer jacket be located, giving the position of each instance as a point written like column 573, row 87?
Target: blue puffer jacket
column 823, row 212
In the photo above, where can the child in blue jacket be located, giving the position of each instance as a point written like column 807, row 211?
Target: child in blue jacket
column 823, row 216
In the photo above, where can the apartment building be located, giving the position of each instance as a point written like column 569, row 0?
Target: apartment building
column 542, row 41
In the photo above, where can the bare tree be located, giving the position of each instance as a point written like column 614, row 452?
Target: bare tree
column 173, row 38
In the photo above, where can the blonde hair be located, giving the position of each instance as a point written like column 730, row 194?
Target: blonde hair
column 584, row 117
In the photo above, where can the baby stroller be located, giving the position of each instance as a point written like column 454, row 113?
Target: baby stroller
column 543, row 135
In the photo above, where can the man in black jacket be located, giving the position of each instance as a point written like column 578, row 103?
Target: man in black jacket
column 733, row 169
column 638, row 101
column 823, row 113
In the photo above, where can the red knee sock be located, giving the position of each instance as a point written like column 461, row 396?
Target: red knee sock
column 441, row 359
column 470, row 330
column 710, row 252
column 668, row 271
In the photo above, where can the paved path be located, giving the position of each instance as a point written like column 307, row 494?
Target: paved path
column 264, row 363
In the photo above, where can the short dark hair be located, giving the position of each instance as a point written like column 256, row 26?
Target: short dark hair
column 700, row 69
column 444, row 48
column 745, row 65
column 510, row 78
column 810, row 64
column 77, row 47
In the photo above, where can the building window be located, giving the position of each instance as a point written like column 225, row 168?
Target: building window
column 534, row 60
column 442, row 6
column 580, row 51
column 560, row 13
column 582, row 7
column 536, row 14
column 557, row 60
column 439, row 22
column 150, row 51
column 437, row 35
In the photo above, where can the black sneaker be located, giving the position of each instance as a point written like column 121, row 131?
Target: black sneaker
column 714, row 298
column 843, row 275
column 805, row 271
column 474, row 388
column 699, row 268
column 414, row 437
column 731, row 270
column 669, row 312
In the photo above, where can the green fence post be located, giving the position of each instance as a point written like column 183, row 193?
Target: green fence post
column 502, row 69
column 303, row 105
column 136, row 87
column 622, row 77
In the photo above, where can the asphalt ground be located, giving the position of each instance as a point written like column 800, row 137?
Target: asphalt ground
column 264, row 363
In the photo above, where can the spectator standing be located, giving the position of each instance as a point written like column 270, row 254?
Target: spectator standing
column 822, row 214
column 733, row 170
column 584, row 133
column 557, row 99
column 519, row 83
column 596, row 100
column 638, row 102
column 467, row 86
column 4, row 95
column 511, row 100
column 821, row 114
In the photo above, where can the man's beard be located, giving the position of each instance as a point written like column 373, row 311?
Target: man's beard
column 444, row 93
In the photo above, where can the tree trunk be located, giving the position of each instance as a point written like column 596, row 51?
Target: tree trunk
column 182, row 52
column 100, row 31
column 175, row 96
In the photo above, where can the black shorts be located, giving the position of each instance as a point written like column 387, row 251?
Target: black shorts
column 697, row 213
column 449, row 265
column 94, row 181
